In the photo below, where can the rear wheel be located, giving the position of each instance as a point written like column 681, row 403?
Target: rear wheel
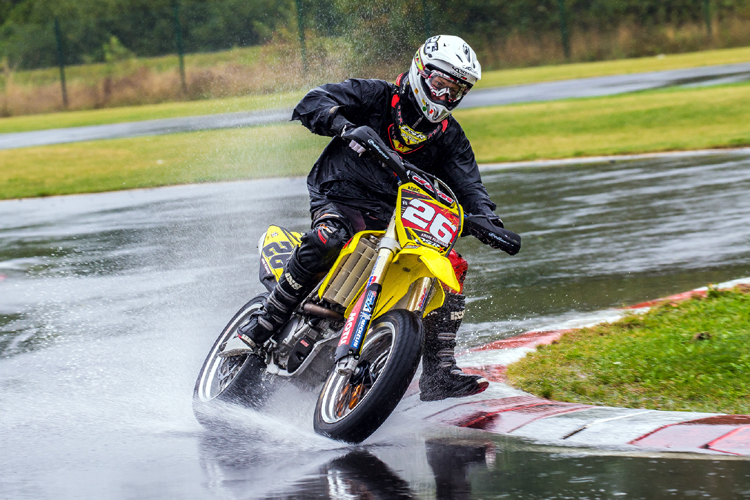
column 234, row 379
column 351, row 407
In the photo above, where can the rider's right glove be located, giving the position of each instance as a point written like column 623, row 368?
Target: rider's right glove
column 342, row 128
column 488, row 228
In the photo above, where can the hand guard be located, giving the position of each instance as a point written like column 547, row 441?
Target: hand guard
column 366, row 138
column 489, row 230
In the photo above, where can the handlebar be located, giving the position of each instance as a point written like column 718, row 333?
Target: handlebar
column 380, row 150
column 477, row 225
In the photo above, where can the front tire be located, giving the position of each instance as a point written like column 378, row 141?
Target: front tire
column 351, row 407
column 235, row 379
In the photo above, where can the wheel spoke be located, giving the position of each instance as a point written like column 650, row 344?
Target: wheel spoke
column 344, row 393
column 356, row 394
column 343, row 400
column 228, row 369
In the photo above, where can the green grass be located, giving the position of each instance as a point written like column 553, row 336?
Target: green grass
column 93, row 72
column 650, row 121
column 271, row 151
column 617, row 67
column 148, row 112
column 652, row 361
column 666, row 120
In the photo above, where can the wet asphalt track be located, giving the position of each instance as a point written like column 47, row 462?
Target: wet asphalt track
column 109, row 302
column 584, row 87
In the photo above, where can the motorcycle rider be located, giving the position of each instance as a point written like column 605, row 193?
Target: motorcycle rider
column 351, row 192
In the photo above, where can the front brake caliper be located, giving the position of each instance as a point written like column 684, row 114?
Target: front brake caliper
column 346, row 365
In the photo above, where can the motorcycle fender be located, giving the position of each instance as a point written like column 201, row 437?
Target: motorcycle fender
column 439, row 266
column 410, row 265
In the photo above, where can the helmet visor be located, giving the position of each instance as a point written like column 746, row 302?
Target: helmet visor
column 445, row 88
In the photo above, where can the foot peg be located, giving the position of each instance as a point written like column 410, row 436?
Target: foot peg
column 237, row 346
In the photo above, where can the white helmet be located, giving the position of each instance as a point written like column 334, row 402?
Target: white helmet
column 442, row 72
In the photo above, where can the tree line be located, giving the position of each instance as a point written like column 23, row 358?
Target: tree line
column 376, row 29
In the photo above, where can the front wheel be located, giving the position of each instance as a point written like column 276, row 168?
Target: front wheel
column 351, row 407
column 234, row 379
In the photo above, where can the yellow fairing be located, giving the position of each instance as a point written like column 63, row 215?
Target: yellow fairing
column 410, row 265
column 422, row 253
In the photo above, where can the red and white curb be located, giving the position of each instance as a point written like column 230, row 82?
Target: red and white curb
column 502, row 409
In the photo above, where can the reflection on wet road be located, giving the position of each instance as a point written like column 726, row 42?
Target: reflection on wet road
column 109, row 303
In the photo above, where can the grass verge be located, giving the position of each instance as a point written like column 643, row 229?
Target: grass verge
column 665, row 120
column 47, row 121
column 645, row 122
column 689, row 356
column 247, row 103
column 111, row 165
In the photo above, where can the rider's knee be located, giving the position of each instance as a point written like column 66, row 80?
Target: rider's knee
column 321, row 245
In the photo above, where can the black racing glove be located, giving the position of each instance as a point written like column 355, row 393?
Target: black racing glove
column 364, row 139
column 489, row 230
column 495, row 220
column 342, row 128
column 339, row 123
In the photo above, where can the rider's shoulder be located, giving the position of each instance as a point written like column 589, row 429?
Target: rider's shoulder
column 366, row 84
column 452, row 130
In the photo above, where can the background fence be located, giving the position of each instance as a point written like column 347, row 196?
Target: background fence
column 284, row 44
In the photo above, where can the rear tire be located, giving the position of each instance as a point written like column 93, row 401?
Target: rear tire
column 350, row 410
column 236, row 379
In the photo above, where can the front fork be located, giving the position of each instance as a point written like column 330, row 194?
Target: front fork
column 358, row 322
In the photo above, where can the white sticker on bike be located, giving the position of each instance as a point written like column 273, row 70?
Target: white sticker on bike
column 442, row 229
column 419, row 213
column 423, row 215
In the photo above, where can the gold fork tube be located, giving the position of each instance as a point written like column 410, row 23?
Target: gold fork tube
column 419, row 294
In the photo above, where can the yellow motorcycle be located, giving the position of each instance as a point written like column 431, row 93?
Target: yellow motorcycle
column 360, row 331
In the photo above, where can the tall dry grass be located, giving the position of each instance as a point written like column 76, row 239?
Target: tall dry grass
column 279, row 66
column 280, row 70
column 625, row 41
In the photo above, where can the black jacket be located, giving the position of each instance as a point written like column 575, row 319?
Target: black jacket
column 342, row 176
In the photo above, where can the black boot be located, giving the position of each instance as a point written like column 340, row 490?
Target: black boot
column 441, row 378
column 295, row 284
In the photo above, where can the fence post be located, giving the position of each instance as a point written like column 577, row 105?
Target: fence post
column 427, row 23
column 707, row 15
column 178, row 36
column 301, row 26
column 564, row 28
column 61, row 61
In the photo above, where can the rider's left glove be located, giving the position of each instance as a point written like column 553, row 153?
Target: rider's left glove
column 340, row 126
